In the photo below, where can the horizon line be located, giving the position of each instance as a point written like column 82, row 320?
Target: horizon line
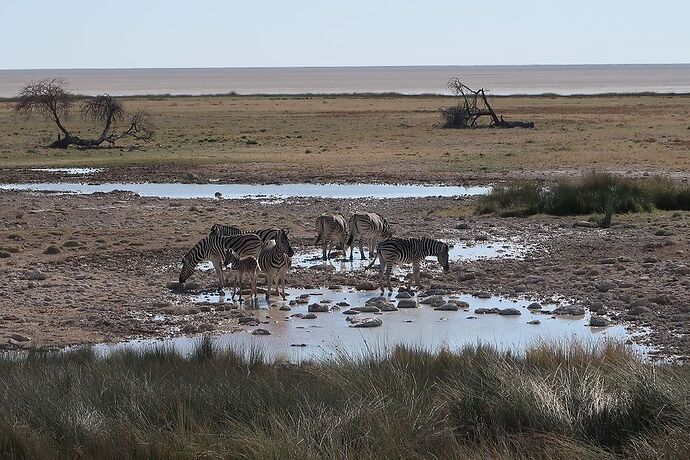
column 354, row 66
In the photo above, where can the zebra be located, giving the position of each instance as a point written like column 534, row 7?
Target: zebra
column 398, row 251
column 331, row 228
column 244, row 266
column 367, row 226
column 266, row 234
column 275, row 261
column 215, row 249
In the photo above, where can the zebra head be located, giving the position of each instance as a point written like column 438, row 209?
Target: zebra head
column 284, row 243
column 187, row 269
column 443, row 257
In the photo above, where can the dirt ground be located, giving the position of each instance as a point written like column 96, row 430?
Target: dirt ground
column 384, row 139
column 118, row 258
column 117, row 255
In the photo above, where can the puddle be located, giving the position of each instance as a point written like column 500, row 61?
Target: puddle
column 71, row 171
column 257, row 191
column 329, row 334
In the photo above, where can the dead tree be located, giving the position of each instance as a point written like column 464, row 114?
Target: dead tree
column 51, row 99
column 474, row 105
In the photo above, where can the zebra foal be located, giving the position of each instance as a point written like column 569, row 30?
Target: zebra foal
column 398, row 251
column 369, row 227
column 215, row 249
column 331, row 229
column 243, row 266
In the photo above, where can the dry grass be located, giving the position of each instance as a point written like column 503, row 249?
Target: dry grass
column 393, row 137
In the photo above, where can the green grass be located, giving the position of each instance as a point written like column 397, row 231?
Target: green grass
column 556, row 401
column 593, row 193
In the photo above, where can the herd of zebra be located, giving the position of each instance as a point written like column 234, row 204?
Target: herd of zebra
column 269, row 251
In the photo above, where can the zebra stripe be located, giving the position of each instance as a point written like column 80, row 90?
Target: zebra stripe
column 275, row 261
column 215, row 249
column 398, row 251
column 243, row 266
column 331, row 228
column 369, row 227
column 266, row 234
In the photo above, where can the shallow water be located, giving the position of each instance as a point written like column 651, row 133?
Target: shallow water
column 330, row 333
column 258, row 191
column 71, row 171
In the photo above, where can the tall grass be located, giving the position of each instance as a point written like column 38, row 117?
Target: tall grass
column 556, row 401
column 593, row 193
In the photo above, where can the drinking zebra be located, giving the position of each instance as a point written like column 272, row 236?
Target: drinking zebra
column 275, row 261
column 243, row 266
column 266, row 234
column 215, row 249
column 369, row 227
column 398, row 251
column 331, row 228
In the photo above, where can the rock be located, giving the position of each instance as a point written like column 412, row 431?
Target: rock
column 606, row 286
column 663, row 232
column 366, row 286
column 661, row 299
column 608, row 261
column 534, row 321
column 388, row 307
column 407, row 303
column 639, row 310
column 285, row 308
column 248, row 321
column 52, row 249
column 368, row 322
column 466, row 276
column 572, row 310
column 71, row 244
column 351, row 312
column 598, row 321
column 432, row 300
column 403, row 295
column 260, row 331
column 206, row 327
column 309, row 316
column 189, row 329
column 462, row 226
column 534, row 306
column 19, row 337
column 482, row 295
column 485, row 311
column 35, row 275
column 298, row 344
column 367, row 309
column 510, row 311
column 343, row 304
column 447, row 307
column 301, row 301
column 317, row 308
column 5, row 255
column 218, row 195
column 303, row 296
column 435, row 292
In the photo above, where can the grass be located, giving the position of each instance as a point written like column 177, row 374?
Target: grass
column 556, row 401
column 593, row 193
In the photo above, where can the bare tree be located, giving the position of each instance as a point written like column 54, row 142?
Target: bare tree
column 474, row 105
column 51, row 99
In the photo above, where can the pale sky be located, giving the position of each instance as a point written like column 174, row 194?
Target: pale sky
column 47, row 34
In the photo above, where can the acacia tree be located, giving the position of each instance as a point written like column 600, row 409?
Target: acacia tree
column 51, row 99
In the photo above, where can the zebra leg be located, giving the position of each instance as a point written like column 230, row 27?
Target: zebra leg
column 324, row 247
column 388, row 277
column 269, row 280
column 282, row 282
column 253, row 281
column 361, row 250
column 382, row 269
column 240, row 277
column 219, row 271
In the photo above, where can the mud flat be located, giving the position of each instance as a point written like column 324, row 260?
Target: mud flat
column 96, row 268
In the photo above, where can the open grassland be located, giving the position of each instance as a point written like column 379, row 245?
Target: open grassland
column 381, row 138
column 557, row 401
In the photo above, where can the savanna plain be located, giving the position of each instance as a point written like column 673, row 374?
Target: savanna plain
column 596, row 194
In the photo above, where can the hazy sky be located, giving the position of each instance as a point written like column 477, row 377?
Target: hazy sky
column 207, row 33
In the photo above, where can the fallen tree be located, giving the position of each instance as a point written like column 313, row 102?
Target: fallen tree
column 473, row 106
column 51, row 99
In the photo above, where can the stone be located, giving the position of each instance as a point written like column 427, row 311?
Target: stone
column 639, row 310
column 52, row 250
column 284, row 308
column 598, row 321
column 19, row 337
column 572, row 310
column 407, row 303
column 388, row 307
column 466, row 276
column 5, row 255
column 309, row 316
column 447, row 307
column 71, row 244
column 403, row 295
column 482, row 295
column 351, row 312
column 534, row 322
column 366, row 286
column 260, row 331
column 248, row 321
column 534, row 306
column 606, row 286
column 317, row 308
column 189, row 329
column 35, row 275
column 510, row 311
column 485, row 311
column 367, row 309
column 206, row 327
column 368, row 322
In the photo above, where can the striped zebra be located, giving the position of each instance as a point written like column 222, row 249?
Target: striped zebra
column 369, row 227
column 266, row 234
column 275, row 261
column 331, row 228
column 215, row 249
column 398, row 251
column 243, row 266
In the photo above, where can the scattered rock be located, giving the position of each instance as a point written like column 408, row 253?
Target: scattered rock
column 318, row 308
column 260, row 331
column 572, row 310
column 510, row 311
column 447, row 307
column 368, row 322
column 367, row 309
column 403, row 295
column 35, row 275
column 366, row 286
column 52, row 249
column 485, row 311
column 351, row 312
column 248, row 321
column 285, row 308
column 19, row 337
column 309, row 316
column 5, row 255
column 189, row 329
column 206, row 327
column 639, row 310
column 598, row 321
column 534, row 306
column 534, row 321
column 407, row 303
column 71, row 244
column 606, row 286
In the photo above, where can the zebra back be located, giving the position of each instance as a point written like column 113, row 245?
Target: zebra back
column 266, row 234
column 330, row 226
column 408, row 250
column 368, row 224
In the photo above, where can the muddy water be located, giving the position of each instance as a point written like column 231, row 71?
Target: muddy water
column 330, row 334
column 258, row 191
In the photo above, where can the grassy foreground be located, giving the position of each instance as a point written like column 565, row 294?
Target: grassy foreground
column 557, row 401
